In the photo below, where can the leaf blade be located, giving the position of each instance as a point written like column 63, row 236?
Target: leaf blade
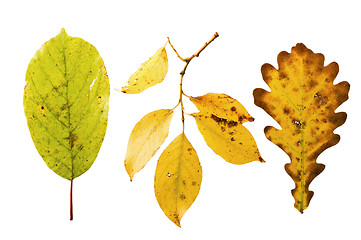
column 146, row 138
column 302, row 100
column 178, row 178
column 230, row 140
column 67, row 92
column 149, row 73
column 220, row 123
column 223, row 106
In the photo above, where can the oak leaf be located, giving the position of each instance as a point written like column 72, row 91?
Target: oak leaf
column 302, row 100
column 146, row 138
column 178, row 178
column 149, row 73
column 220, row 122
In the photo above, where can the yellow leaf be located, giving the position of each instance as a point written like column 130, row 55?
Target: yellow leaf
column 302, row 100
column 222, row 106
column 228, row 138
column 220, row 122
column 178, row 178
column 149, row 73
column 146, row 138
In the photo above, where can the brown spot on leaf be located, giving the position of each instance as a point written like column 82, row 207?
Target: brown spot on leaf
column 73, row 139
column 232, row 123
column 218, row 119
column 312, row 83
column 182, row 197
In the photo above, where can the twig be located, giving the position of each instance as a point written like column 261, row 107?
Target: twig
column 187, row 61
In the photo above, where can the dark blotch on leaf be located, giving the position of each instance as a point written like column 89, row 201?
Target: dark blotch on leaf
column 218, row 119
column 232, row 124
column 182, row 197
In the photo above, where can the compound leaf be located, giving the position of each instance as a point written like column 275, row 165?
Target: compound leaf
column 146, row 138
column 178, row 178
column 149, row 73
column 302, row 100
column 220, row 122
column 66, row 104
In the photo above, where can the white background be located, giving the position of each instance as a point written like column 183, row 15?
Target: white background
column 251, row 201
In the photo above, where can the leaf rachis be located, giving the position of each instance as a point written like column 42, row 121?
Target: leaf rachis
column 182, row 73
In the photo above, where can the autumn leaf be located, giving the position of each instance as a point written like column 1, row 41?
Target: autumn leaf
column 149, row 73
column 66, row 104
column 220, row 122
column 178, row 177
column 302, row 100
column 146, row 138
column 222, row 106
column 178, row 174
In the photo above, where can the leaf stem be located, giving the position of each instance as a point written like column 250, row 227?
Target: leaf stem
column 182, row 73
column 175, row 50
column 186, row 95
column 71, row 200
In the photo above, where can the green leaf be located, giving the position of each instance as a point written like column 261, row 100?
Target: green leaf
column 66, row 104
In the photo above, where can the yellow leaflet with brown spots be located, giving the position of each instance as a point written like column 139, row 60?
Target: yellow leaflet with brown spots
column 302, row 100
column 220, row 122
column 178, row 178
column 222, row 106
column 149, row 73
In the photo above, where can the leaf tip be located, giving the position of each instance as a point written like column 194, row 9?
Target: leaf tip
column 131, row 176
column 129, row 171
column 300, row 210
column 261, row 159
column 62, row 32
column 177, row 222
